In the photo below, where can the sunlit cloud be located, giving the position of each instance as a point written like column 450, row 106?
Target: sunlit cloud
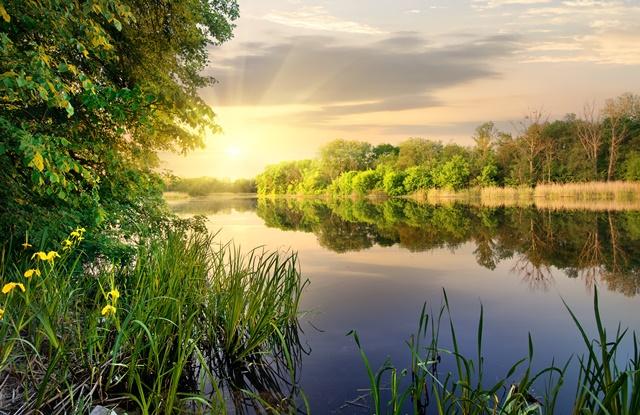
column 400, row 70
column 317, row 18
column 491, row 4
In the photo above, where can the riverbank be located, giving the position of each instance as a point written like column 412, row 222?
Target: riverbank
column 568, row 196
column 597, row 196
column 190, row 324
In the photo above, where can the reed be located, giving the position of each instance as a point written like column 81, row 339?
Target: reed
column 590, row 191
column 139, row 335
column 603, row 386
column 597, row 196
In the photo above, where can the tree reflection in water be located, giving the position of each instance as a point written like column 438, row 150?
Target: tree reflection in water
column 582, row 244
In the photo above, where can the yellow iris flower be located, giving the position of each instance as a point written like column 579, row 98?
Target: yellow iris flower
column 49, row 256
column 108, row 310
column 114, row 294
column 29, row 273
column 8, row 287
column 78, row 233
column 67, row 244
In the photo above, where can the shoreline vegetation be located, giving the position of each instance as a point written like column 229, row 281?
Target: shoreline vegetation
column 558, row 158
column 595, row 196
column 190, row 325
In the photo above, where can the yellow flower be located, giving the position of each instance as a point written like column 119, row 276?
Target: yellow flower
column 67, row 244
column 29, row 273
column 49, row 256
column 1, row 313
column 114, row 294
column 108, row 310
column 78, row 233
column 40, row 255
column 8, row 287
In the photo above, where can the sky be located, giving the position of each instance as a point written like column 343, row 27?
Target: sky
column 301, row 73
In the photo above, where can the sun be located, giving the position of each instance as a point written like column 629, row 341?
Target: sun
column 233, row 152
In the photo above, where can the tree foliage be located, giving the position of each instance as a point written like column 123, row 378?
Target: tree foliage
column 89, row 92
column 570, row 149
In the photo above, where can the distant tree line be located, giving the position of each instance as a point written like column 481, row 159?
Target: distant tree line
column 202, row 186
column 600, row 144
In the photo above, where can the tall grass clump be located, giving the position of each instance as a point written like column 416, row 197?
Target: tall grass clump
column 617, row 195
column 604, row 387
column 138, row 336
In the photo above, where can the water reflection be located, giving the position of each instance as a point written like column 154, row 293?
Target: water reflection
column 581, row 244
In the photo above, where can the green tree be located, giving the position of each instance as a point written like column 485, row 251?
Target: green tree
column 340, row 156
column 484, row 138
column 89, row 92
column 453, row 174
column 418, row 151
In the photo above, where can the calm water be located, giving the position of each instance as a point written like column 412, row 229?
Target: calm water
column 373, row 265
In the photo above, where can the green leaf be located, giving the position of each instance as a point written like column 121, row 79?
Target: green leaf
column 70, row 110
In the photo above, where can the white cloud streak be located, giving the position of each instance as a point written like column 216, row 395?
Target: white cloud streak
column 318, row 18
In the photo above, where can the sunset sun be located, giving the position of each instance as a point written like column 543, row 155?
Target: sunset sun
column 233, row 152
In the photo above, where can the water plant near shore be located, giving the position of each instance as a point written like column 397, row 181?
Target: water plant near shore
column 137, row 335
column 604, row 385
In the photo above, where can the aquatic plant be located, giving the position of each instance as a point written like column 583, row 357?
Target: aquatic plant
column 604, row 386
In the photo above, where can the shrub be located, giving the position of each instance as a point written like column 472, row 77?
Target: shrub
column 366, row 181
column 393, row 183
column 417, row 177
column 453, row 174
column 488, row 175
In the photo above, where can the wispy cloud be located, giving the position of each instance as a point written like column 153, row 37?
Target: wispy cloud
column 491, row 4
column 342, row 79
column 318, row 18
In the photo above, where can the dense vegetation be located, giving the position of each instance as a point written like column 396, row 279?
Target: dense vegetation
column 601, row 145
column 203, row 186
column 89, row 92
column 189, row 320
column 106, row 297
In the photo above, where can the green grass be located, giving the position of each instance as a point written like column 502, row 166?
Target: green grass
column 188, row 309
column 603, row 388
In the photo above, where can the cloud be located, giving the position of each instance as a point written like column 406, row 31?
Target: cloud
column 401, row 72
column 491, row 4
column 317, row 18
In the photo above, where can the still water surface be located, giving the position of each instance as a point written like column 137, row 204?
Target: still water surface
column 372, row 265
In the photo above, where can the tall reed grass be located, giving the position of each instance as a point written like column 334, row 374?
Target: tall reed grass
column 598, row 196
column 604, row 387
column 140, row 336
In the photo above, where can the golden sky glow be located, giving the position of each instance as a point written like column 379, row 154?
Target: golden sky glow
column 300, row 73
